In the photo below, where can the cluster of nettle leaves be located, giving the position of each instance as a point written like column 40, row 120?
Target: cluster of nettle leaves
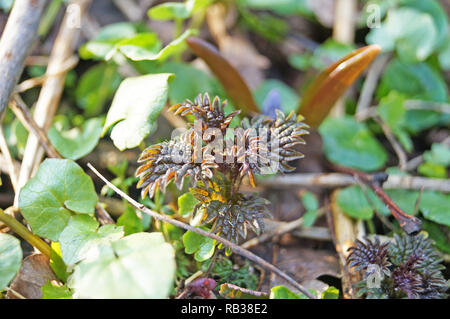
column 124, row 261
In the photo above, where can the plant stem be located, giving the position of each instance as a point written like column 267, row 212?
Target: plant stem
column 23, row 232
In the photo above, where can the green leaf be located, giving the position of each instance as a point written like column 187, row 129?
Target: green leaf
column 288, row 98
column 172, row 10
column 81, row 234
column 309, row 218
column 96, row 87
column 414, row 42
column 417, row 81
column 432, row 170
column 331, row 293
column 282, row 292
column 57, row 263
column 189, row 82
column 135, row 107
column 353, row 202
column 143, row 46
column 444, row 55
column 202, row 246
column 405, row 199
column 130, row 221
column 59, row 190
column 439, row 154
column 439, row 235
column 349, row 143
column 284, row 7
column 137, row 266
column 186, row 204
column 434, row 207
column 309, row 201
column 75, row 143
column 50, row 291
column 104, row 44
column 10, row 258
column 391, row 109
column 329, row 52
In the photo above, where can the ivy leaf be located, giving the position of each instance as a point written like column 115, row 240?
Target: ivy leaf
column 75, row 143
column 137, row 266
column 50, row 291
column 135, row 107
column 349, row 143
column 186, row 204
column 96, row 87
column 59, row 190
column 81, row 234
column 434, row 207
column 202, row 246
column 10, row 259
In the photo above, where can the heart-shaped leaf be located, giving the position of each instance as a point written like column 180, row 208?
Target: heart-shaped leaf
column 59, row 190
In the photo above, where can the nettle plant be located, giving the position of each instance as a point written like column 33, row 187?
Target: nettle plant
column 408, row 267
column 217, row 158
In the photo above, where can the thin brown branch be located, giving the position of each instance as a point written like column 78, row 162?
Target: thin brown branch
column 239, row 250
column 280, row 230
column 22, row 112
column 16, row 43
column 408, row 223
column 8, row 159
column 401, row 155
column 333, row 180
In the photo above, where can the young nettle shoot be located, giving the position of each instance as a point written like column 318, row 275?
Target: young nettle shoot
column 217, row 158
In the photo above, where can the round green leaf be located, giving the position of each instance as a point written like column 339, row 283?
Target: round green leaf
column 81, row 234
column 349, row 143
column 76, row 143
column 435, row 207
column 135, row 107
column 60, row 189
column 10, row 259
column 186, row 204
column 353, row 202
column 137, row 266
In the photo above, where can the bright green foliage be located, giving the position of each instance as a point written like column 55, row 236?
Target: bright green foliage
column 59, row 190
column 51, row 291
column 10, row 259
column 76, row 143
column 202, row 246
column 81, row 234
column 311, row 205
column 186, row 204
column 137, row 266
column 130, row 221
column 135, row 107
column 349, row 143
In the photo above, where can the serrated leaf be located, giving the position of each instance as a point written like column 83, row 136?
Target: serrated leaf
column 51, row 291
column 10, row 259
column 76, row 143
column 349, row 143
column 59, row 190
column 137, row 266
column 81, row 234
column 135, row 107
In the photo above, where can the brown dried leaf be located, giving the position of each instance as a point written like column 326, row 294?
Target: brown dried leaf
column 329, row 86
column 34, row 273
